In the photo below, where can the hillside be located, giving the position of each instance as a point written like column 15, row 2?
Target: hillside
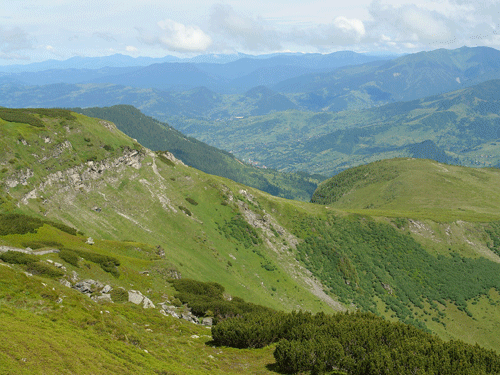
column 159, row 136
column 67, row 177
column 415, row 187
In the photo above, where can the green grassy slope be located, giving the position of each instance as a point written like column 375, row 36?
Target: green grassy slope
column 84, row 173
column 415, row 187
column 121, row 191
column 50, row 328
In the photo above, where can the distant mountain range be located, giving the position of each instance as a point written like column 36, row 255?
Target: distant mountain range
column 223, row 74
column 313, row 82
column 460, row 127
column 292, row 125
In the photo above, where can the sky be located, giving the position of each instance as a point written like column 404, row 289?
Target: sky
column 38, row 30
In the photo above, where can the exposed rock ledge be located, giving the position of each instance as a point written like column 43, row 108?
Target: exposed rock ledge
column 80, row 176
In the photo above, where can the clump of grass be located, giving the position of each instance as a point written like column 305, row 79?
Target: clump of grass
column 119, row 295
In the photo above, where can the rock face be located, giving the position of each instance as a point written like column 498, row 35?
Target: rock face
column 78, row 177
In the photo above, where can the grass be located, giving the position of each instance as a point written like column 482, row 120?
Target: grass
column 139, row 211
column 41, row 336
column 419, row 189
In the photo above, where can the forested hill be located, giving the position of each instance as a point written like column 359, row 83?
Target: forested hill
column 160, row 136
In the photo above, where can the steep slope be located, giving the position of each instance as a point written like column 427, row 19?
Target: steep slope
column 160, row 136
column 88, row 175
column 148, row 214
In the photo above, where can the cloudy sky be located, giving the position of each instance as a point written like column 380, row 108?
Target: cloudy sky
column 36, row 30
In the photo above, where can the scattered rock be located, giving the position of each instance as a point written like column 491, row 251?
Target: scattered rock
column 84, row 287
column 65, row 283
column 87, row 286
column 96, row 209
column 102, row 298
column 90, row 241
column 207, row 322
column 137, row 298
column 387, row 287
column 160, row 251
column 106, row 289
column 190, row 317
column 59, row 265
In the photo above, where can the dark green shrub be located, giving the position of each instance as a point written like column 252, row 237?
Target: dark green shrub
column 241, row 231
column 69, row 256
column 108, row 148
column 22, row 224
column 18, row 224
column 43, row 269
column 22, row 116
column 207, row 299
column 185, row 210
column 63, row 228
column 192, row 201
column 39, row 244
column 16, row 257
column 190, row 286
column 106, row 262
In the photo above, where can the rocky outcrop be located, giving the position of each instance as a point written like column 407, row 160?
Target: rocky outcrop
column 87, row 286
column 20, row 178
column 79, row 177
column 137, row 298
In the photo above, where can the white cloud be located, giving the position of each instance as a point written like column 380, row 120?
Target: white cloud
column 410, row 45
column 177, row 36
column 131, row 49
column 350, row 25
